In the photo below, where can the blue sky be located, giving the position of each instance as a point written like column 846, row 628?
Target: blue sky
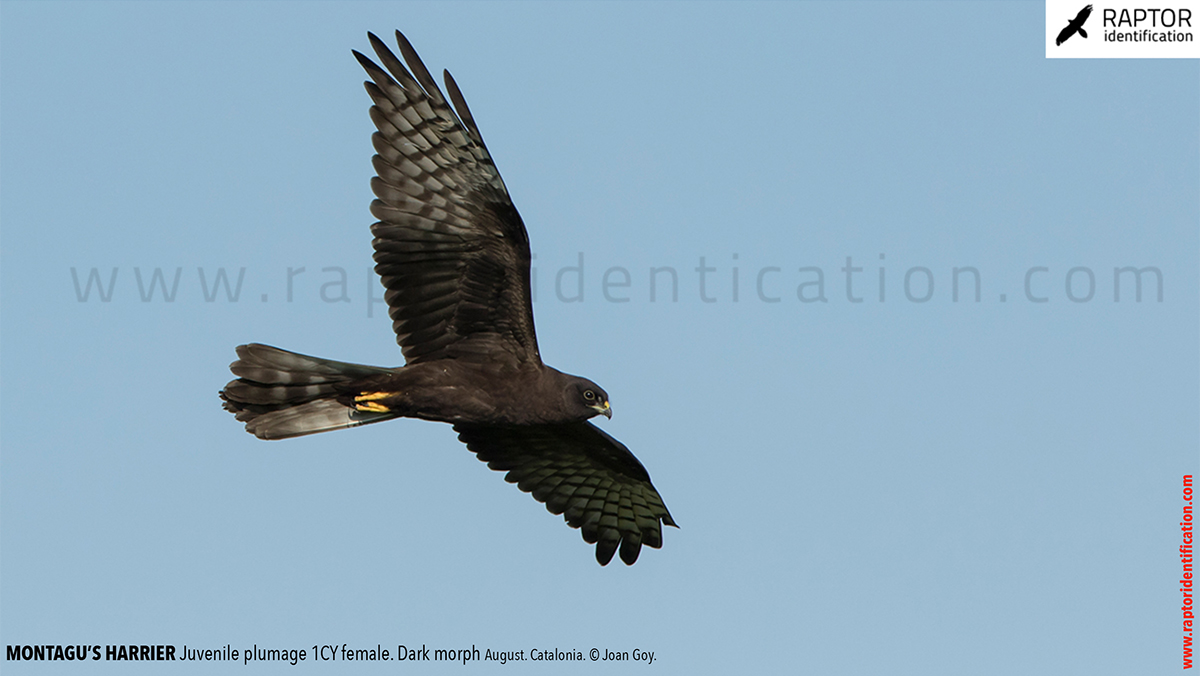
column 910, row 484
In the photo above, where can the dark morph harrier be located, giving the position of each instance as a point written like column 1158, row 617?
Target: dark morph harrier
column 1075, row 26
column 454, row 256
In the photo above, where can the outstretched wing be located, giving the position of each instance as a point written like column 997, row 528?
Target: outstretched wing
column 1082, row 16
column 449, row 245
column 583, row 474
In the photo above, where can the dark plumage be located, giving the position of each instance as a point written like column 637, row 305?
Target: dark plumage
column 454, row 257
column 1075, row 26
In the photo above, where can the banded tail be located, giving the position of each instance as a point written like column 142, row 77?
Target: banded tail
column 281, row 394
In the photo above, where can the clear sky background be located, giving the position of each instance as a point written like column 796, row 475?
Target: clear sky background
column 890, row 486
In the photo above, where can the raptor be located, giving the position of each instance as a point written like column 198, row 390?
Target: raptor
column 453, row 255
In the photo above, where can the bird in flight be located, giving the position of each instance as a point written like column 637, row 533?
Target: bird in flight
column 1075, row 26
column 453, row 255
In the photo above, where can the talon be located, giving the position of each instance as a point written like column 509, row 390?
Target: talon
column 372, row 407
column 368, row 402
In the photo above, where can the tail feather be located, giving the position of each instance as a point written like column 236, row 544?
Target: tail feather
column 273, row 366
column 281, row 394
column 321, row 415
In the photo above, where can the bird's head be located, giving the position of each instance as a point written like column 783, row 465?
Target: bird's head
column 587, row 399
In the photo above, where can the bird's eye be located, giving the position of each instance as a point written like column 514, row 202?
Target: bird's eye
column 589, row 395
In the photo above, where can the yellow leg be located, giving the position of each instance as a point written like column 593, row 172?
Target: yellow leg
column 367, row 401
column 372, row 407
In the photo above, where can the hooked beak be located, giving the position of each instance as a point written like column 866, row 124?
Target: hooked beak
column 604, row 410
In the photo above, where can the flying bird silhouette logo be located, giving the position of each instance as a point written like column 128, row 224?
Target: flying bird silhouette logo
column 1075, row 26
